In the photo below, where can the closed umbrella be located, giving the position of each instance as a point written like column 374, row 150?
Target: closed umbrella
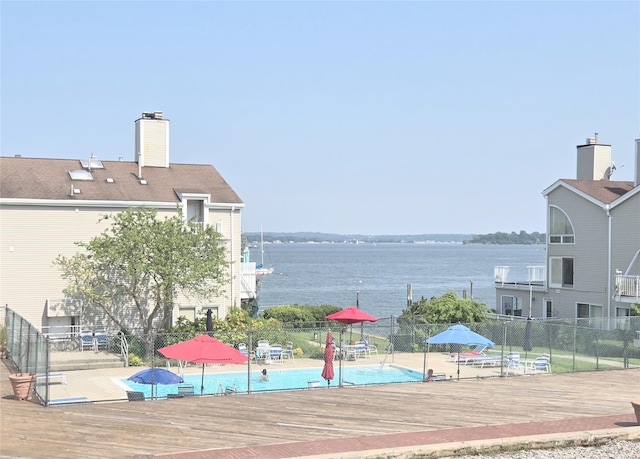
column 327, row 371
column 459, row 334
column 351, row 315
column 203, row 349
column 527, row 346
column 209, row 322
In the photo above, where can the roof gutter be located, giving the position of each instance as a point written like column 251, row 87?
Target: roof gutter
column 103, row 203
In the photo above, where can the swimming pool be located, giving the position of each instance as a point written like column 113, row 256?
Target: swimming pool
column 281, row 379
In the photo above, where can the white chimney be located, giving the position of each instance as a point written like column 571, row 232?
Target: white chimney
column 594, row 160
column 152, row 140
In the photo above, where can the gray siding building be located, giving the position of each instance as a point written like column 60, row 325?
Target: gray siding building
column 593, row 247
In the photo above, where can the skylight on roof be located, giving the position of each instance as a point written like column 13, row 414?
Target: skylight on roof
column 93, row 163
column 80, row 174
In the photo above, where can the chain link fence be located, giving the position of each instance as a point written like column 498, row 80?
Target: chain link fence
column 73, row 370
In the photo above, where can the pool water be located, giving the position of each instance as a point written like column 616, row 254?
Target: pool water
column 282, row 379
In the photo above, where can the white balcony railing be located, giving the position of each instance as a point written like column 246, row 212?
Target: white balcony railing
column 534, row 276
column 627, row 287
column 248, row 285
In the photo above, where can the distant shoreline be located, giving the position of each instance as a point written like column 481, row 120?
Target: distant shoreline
column 513, row 238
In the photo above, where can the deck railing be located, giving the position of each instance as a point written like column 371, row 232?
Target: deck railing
column 628, row 286
column 536, row 276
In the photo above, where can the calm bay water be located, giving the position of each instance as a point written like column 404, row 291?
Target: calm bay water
column 334, row 273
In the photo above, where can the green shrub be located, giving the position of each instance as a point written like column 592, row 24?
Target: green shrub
column 293, row 316
column 135, row 361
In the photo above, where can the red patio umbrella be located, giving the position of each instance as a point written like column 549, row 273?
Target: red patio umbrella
column 327, row 371
column 351, row 316
column 203, row 349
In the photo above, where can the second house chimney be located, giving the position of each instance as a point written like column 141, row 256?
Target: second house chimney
column 594, row 160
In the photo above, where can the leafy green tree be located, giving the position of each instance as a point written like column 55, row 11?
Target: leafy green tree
column 448, row 308
column 137, row 266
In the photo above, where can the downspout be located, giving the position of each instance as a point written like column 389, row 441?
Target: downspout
column 606, row 208
column 233, row 209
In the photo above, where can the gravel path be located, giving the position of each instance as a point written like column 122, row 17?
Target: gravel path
column 612, row 450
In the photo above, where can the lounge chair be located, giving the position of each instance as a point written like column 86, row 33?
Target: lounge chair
column 135, row 396
column 362, row 350
column 87, row 340
column 288, row 351
column 101, row 339
column 512, row 362
column 51, row 376
column 185, row 390
column 541, row 364
column 373, row 349
column 263, row 356
column 466, row 357
column 484, row 360
column 242, row 347
column 275, row 351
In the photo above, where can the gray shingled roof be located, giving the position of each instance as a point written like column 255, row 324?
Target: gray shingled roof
column 605, row 191
column 36, row 178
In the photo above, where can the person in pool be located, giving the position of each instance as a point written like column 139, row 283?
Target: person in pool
column 264, row 377
column 429, row 376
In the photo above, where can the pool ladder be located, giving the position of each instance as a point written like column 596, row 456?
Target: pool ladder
column 389, row 351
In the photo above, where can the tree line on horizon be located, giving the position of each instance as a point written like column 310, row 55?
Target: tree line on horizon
column 509, row 238
column 492, row 238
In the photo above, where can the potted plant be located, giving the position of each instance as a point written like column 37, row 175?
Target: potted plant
column 21, row 382
column 636, row 408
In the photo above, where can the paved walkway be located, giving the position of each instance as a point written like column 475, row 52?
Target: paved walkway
column 396, row 420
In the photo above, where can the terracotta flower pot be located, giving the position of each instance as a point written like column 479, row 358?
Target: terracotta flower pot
column 636, row 407
column 23, row 385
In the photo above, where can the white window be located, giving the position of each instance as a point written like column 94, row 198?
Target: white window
column 593, row 312
column 511, row 305
column 561, row 274
column 188, row 312
column 195, row 210
column 560, row 228
column 622, row 318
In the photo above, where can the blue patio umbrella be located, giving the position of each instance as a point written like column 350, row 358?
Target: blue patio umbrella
column 155, row 376
column 459, row 334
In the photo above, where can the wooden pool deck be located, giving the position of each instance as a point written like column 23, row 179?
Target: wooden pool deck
column 394, row 420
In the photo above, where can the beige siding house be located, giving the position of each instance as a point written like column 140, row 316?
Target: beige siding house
column 46, row 205
column 593, row 247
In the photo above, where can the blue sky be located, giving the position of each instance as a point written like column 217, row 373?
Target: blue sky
column 342, row 117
